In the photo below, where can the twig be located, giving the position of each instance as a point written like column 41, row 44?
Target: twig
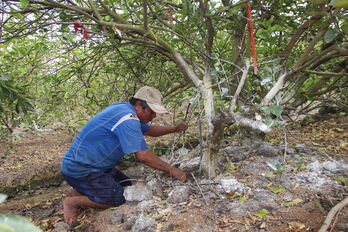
column 334, row 222
column 199, row 189
column 285, row 141
column 200, row 132
column 332, row 214
column 130, row 180
column 330, row 158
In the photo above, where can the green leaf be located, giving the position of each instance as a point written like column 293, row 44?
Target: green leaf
column 330, row 35
column 107, row 18
column 266, row 110
column 6, row 228
column 269, row 122
column 340, row 3
column 24, row 3
column 344, row 28
column 17, row 15
column 269, row 174
column 276, row 190
column 301, row 165
column 18, row 223
column 82, row 122
column 64, row 28
column 262, row 213
column 276, row 110
column 318, row 2
column 308, row 97
column 279, row 167
column 243, row 199
column 2, row 197
column 294, row 202
column 63, row 15
column 342, row 180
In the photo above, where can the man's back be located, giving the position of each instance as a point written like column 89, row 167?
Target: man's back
column 103, row 141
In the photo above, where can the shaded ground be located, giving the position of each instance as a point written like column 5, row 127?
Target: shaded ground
column 35, row 158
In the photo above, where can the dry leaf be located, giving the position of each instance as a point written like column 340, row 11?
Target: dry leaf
column 117, row 30
column 296, row 225
column 263, row 225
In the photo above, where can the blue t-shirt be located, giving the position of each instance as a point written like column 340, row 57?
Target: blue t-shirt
column 104, row 140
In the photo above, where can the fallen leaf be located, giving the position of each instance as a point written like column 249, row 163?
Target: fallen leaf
column 296, row 225
column 294, row 202
column 316, row 144
column 263, row 225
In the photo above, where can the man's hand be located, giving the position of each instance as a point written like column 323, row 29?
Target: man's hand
column 177, row 173
column 150, row 159
column 181, row 127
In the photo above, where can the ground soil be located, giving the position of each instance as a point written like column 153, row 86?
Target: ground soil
column 35, row 158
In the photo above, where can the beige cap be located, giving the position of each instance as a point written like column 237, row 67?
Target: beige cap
column 153, row 98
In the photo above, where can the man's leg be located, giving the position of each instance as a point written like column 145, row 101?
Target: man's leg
column 72, row 204
column 72, row 193
column 98, row 190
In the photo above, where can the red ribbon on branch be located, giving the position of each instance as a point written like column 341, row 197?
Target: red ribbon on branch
column 252, row 37
column 78, row 25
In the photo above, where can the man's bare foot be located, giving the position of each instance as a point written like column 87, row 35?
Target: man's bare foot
column 72, row 193
column 70, row 210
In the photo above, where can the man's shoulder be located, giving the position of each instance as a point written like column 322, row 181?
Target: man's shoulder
column 121, row 108
column 121, row 105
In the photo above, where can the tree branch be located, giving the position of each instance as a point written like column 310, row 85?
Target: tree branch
column 254, row 124
column 311, row 45
column 332, row 214
column 233, row 103
column 305, row 26
column 145, row 14
column 275, row 89
column 329, row 74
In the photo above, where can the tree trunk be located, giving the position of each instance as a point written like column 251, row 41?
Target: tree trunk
column 212, row 156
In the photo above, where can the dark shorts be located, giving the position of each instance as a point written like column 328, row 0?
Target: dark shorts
column 104, row 187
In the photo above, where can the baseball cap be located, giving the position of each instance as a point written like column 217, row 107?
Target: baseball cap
column 153, row 98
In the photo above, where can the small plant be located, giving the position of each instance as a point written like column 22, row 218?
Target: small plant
column 262, row 213
column 278, row 168
column 230, row 166
column 243, row 199
column 301, row 165
column 278, row 189
column 342, row 180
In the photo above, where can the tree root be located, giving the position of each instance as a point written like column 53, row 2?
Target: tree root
column 332, row 214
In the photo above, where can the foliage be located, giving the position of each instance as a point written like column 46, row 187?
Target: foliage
column 183, row 48
column 88, row 67
column 14, row 102
column 15, row 223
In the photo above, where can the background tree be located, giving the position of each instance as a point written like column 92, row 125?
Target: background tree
column 301, row 48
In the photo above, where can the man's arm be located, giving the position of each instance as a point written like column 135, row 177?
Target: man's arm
column 156, row 131
column 150, row 159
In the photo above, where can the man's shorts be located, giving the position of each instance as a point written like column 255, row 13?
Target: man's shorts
column 104, row 187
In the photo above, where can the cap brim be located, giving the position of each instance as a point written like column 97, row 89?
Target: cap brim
column 158, row 109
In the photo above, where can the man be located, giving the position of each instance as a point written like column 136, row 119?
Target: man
column 89, row 164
